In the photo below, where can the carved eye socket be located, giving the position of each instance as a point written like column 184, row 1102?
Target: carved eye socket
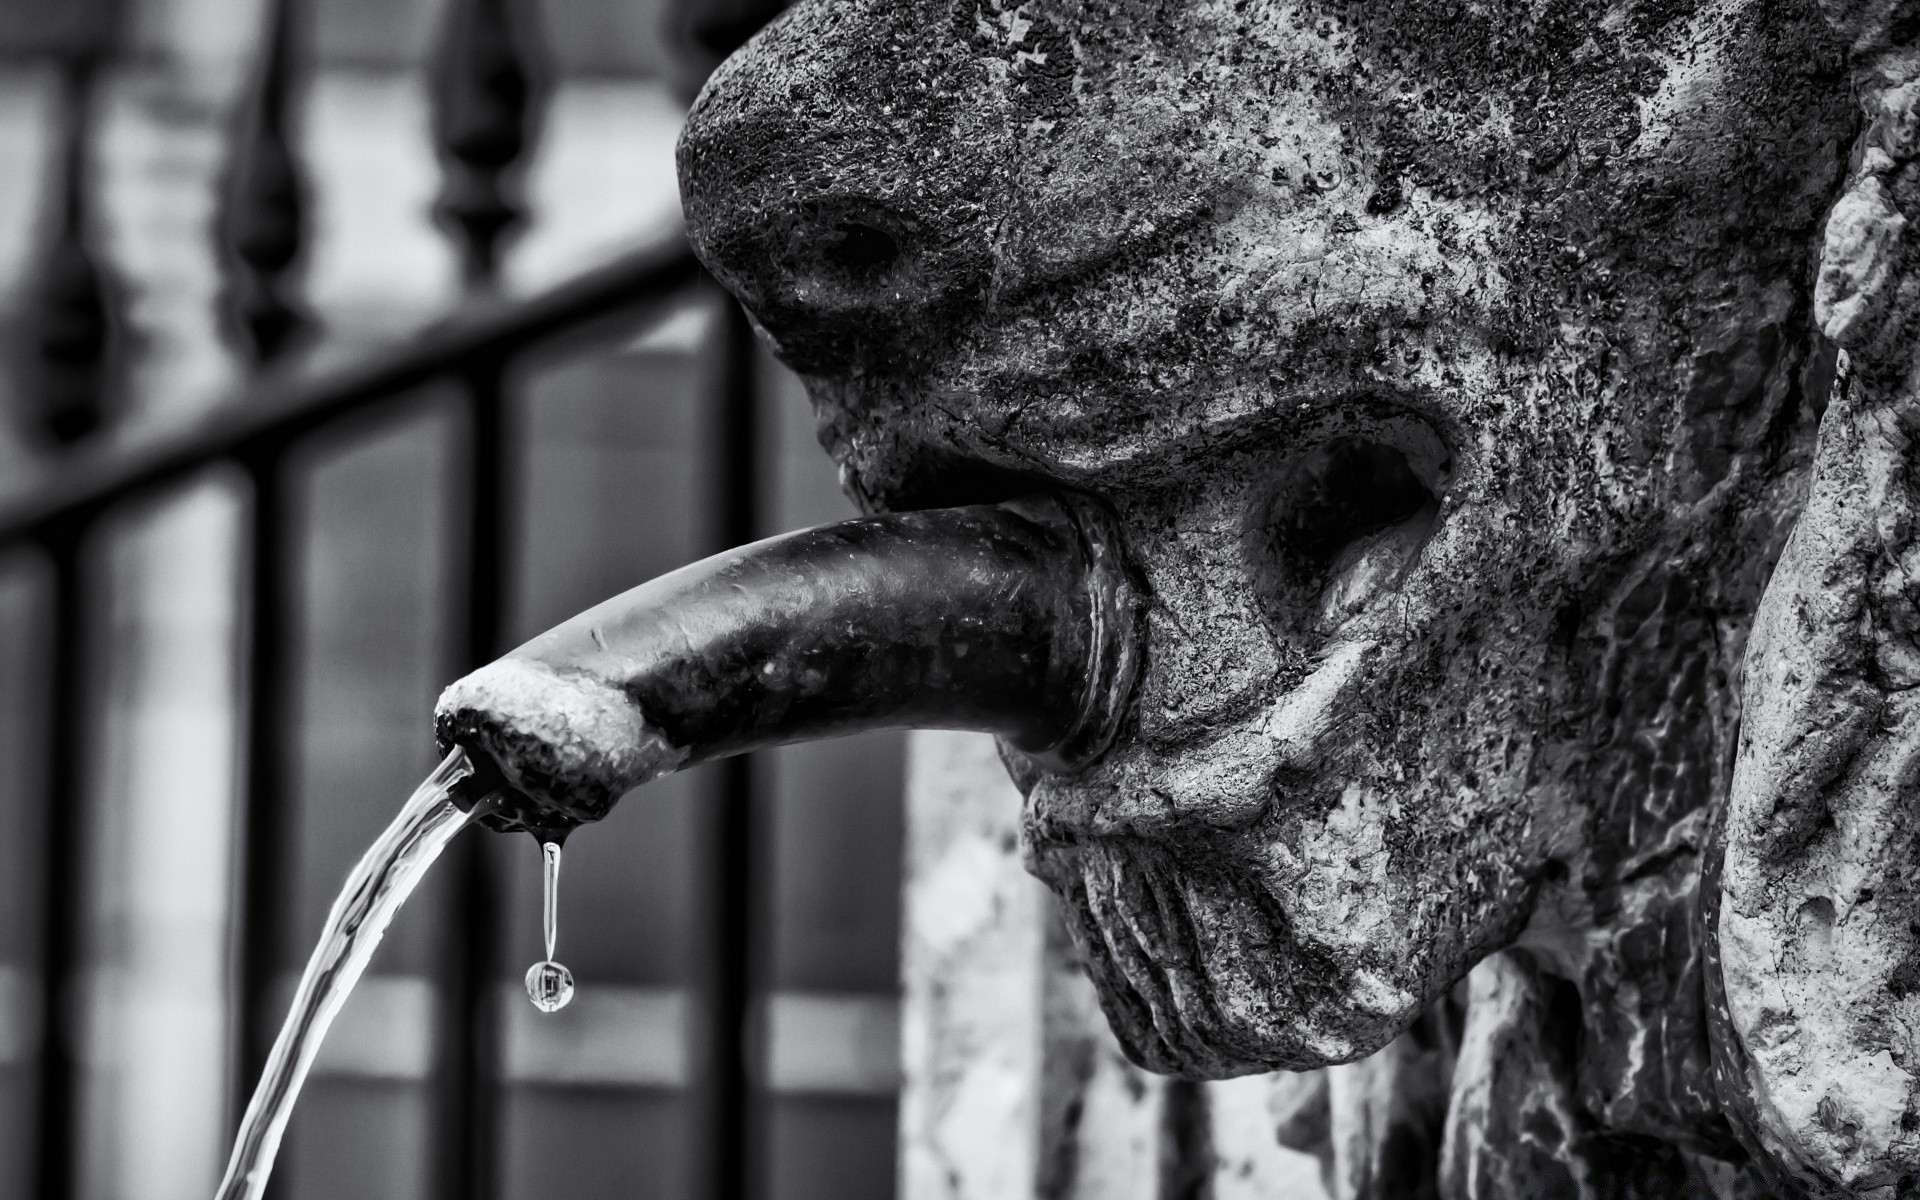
column 1343, row 523
column 862, row 249
column 1342, row 492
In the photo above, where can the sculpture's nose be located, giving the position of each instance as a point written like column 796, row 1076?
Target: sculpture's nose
column 831, row 193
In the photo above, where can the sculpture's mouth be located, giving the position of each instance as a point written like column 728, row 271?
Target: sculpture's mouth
column 1243, row 901
column 1196, row 961
column 928, row 477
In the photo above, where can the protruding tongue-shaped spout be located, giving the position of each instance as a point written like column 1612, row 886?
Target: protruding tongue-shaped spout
column 1018, row 619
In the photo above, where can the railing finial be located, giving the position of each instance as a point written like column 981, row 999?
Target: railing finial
column 483, row 105
column 70, row 322
column 263, row 210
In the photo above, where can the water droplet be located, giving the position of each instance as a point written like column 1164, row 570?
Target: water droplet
column 549, row 986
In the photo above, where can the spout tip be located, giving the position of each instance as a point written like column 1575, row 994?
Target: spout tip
column 497, row 804
column 563, row 747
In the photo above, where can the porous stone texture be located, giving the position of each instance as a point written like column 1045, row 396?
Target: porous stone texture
column 1453, row 371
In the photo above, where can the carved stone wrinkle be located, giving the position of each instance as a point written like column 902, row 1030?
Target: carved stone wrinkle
column 1510, row 411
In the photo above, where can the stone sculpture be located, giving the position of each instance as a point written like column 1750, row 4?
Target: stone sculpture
column 1509, row 410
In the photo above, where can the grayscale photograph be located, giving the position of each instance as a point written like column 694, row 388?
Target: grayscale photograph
column 959, row 600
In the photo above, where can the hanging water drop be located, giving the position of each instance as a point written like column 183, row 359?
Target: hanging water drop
column 550, row 985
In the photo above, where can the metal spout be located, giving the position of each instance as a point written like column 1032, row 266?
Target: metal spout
column 1017, row 619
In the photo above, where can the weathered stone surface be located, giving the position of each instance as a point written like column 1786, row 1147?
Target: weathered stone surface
column 1818, row 918
column 1453, row 371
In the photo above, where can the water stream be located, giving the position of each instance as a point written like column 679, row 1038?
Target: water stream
column 380, row 883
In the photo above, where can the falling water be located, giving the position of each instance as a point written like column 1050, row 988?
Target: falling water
column 380, row 883
column 550, row 985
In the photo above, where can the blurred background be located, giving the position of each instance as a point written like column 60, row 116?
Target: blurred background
column 346, row 344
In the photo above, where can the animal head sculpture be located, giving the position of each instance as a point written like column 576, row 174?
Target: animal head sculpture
column 1452, row 371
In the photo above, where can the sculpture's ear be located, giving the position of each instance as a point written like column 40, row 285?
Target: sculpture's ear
column 1815, row 997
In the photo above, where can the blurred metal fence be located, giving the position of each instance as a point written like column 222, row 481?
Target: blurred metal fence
column 486, row 90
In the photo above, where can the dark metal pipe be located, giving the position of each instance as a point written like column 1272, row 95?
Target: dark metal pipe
column 1018, row 619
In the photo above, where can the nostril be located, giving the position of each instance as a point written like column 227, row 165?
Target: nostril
column 837, row 285
column 862, row 249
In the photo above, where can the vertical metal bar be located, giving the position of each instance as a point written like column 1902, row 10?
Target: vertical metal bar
column 263, row 890
column 733, row 1136
column 63, row 898
column 1186, row 1142
column 467, row 1105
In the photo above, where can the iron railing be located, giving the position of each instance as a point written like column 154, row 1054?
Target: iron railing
column 475, row 353
column 487, row 83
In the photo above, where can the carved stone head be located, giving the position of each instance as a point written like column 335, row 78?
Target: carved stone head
column 1454, row 371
